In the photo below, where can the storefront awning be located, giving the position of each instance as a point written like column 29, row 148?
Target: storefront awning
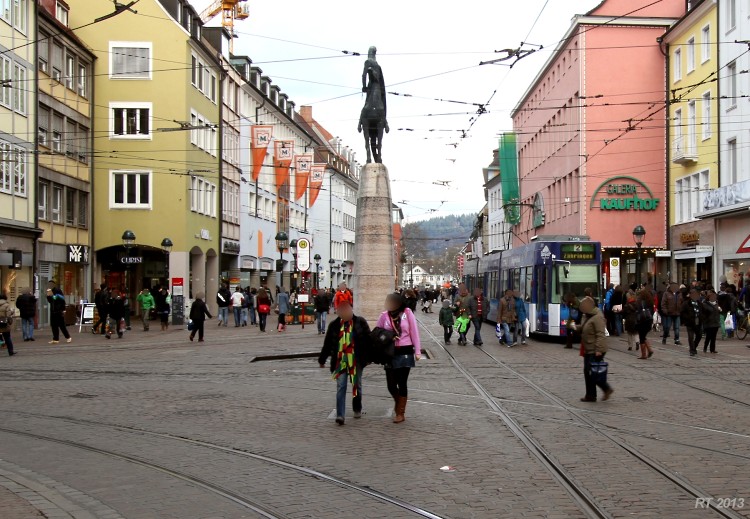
column 692, row 254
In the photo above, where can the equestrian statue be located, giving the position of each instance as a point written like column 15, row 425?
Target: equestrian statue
column 373, row 117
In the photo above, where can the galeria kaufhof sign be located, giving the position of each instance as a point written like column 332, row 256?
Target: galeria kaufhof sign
column 624, row 194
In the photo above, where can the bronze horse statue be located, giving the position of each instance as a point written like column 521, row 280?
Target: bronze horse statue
column 373, row 117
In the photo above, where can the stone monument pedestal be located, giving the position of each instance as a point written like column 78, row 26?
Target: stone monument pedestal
column 374, row 275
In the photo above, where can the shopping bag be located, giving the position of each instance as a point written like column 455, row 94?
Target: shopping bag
column 599, row 371
column 729, row 323
column 122, row 325
column 526, row 328
column 499, row 332
column 190, row 325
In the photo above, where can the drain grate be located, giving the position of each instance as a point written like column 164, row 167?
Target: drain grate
column 286, row 356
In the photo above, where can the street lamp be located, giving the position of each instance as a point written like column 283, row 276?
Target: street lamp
column 293, row 250
column 411, row 272
column 166, row 246
column 128, row 239
column 317, row 271
column 331, row 263
column 638, row 234
column 281, row 243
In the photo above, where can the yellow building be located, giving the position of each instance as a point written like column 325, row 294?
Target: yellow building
column 18, row 225
column 156, row 148
column 693, row 156
column 65, row 115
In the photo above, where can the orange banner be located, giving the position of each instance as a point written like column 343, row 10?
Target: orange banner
column 259, row 141
column 316, row 181
column 302, row 167
column 283, row 151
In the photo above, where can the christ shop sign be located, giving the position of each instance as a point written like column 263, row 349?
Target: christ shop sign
column 624, row 194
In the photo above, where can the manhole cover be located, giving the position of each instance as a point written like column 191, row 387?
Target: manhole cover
column 82, row 395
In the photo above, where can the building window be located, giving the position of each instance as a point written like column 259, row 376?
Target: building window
column 57, row 128
column 202, row 196
column 70, row 66
column 14, row 167
column 202, row 78
column 70, row 206
column 706, row 115
column 130, row 60
column 731, row 14
column 57, row 61
column 677, row 65
column 732, row 161
column 43, row 51
column 57, row 195
column 6, row 166
column 20, row 88
column 688, row 192
column 732, row 84
column 6, row 99
column 130, row 190
column 19, row 172
column 43, row 116
column 204, row 133
column 83, row 144
column 83, row 72
column 20, row 15
column 130, row 120
column 678, row 144
column 692, row 133
column 690, row 55
column 43, row 200
column 83, row 209
column 71, row 139
column 706, row 43
column 61, row 14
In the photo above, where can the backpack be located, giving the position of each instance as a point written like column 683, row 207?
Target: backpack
column 645, row 314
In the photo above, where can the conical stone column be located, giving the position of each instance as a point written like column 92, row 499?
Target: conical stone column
column 373, row 246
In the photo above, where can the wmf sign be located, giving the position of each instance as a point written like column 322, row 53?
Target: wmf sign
column 78, row 254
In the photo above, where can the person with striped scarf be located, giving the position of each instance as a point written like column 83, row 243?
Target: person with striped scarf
column 347, row 342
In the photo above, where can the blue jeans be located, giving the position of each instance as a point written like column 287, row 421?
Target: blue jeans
column 321, row 318
column 224, row 315
column 253, row 319
column 237, row 311
column 477, row 322
column 506, row 333
column 671, row 321
column 341, row 386
column 27, row 327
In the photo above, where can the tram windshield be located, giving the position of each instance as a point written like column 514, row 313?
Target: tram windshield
column 578, row 279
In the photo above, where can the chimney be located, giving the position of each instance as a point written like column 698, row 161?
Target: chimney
column 306, row 113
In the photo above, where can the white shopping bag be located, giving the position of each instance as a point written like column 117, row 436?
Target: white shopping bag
column 526, row 327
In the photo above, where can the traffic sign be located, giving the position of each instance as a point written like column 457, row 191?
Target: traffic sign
column 303, row 254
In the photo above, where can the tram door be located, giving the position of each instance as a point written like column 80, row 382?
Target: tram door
column 542, row 298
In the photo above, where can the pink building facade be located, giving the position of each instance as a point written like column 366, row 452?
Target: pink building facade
column 592, row 137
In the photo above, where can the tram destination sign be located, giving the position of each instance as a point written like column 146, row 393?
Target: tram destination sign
column 624, row 193
column 578, row 252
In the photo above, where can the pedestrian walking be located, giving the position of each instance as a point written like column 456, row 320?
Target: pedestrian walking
column 237, row 301
column 264, row 308
column 198, row 313
column 607, row 307
column 593, row 348
column 398, row 318
column 446, row 320
column 116, row 312
column 252, row 306
column 223, row 299
column 26, row 304
column 574, row 317
column 126, row 307
column 711, row 321
column 322, row 304
column 671, row 307
column 282, row 308
column 343, row 294
column 146, row 302
column 645, row 321
column 616, row 302
column 6, row 323
column 630, row 313
column 477, row 310
column 462, row 327
column 692, row 317
column 410, row 296
column 100, row 301
column 346, row 343
column 521, row 315
column 163, row 303
column 56, row 300
column 508, row 318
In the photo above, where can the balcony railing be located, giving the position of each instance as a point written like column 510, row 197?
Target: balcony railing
column 681, row 154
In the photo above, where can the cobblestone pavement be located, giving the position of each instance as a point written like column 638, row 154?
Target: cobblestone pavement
column 154, row 426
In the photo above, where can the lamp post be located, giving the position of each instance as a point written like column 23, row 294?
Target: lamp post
column 282, row 243
column 411, row 272
column 317, row 271
column 128, row 241
column 638, row 234
column 331, row 263
column 293, row 250
column 166, row 246
column 343, row 272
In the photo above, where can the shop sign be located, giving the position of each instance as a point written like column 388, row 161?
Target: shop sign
column 704, row 248
column 624, row 194
column 700, row 260
column 205, row 234
column 688, row 238
column 131, row 260
column 303, row 254
column 266, row 265
column 578, row 252
column 664, row 254
column 78, row 254
column 230, row 247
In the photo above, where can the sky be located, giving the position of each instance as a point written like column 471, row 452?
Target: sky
column 428, row 50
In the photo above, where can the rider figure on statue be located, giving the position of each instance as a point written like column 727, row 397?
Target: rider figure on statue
column 373, row 117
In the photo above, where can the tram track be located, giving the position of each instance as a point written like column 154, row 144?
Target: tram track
column 580, row 495
column 214, row 488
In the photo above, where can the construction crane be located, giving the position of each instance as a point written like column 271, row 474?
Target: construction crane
column 230, row 10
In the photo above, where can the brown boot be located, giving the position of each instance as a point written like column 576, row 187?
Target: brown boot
column 400, row 410
column 395, row 404
column 645, row 347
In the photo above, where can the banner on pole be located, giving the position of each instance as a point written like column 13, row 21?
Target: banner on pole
column 302, row 167
column 316, row 181
column 283, row 153
column 259, row 141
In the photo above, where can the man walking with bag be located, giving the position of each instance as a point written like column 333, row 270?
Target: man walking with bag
column 593, row 349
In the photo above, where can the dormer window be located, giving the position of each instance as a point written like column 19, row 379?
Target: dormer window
column 61, row 13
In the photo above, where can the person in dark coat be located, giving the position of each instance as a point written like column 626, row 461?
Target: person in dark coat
column 116, row 312
column 56, row 301
column 711, row 321
column 411, row 299
column 26, row 304
column 691, row 315
column 198, row 313
column 100, row 300
column 347, row 342
column 322, row 304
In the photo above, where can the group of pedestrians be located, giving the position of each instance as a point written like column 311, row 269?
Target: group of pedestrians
column 348, row 343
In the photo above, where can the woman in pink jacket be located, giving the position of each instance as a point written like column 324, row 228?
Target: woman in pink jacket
column 401, row 320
